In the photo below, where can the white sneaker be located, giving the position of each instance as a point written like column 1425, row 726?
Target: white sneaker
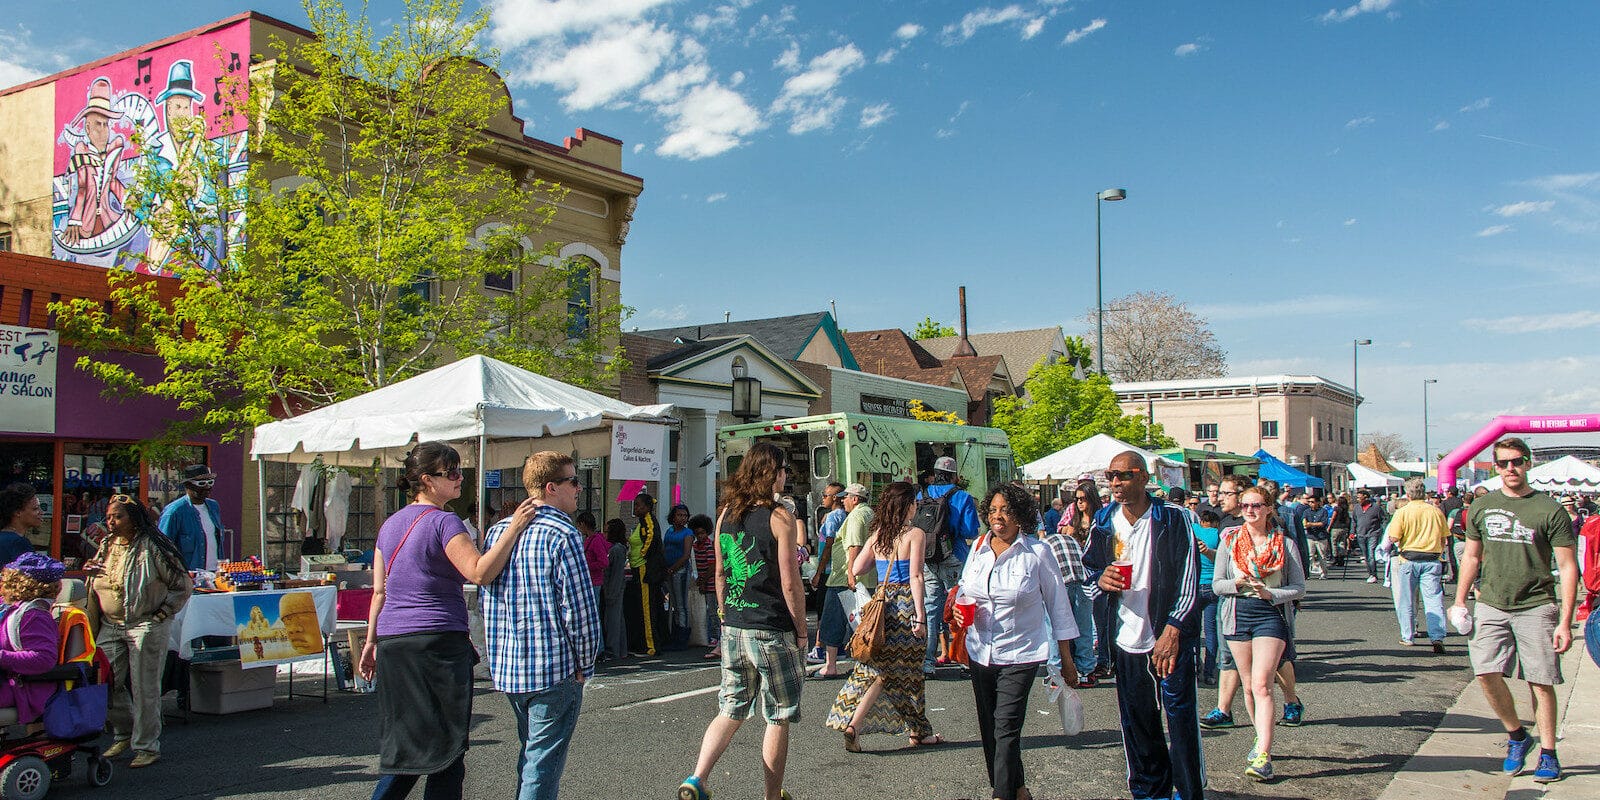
column 1371, row 579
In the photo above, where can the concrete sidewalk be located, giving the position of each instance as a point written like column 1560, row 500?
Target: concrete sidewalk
column 1462, row 758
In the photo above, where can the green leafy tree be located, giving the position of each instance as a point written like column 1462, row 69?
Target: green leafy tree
column 366, row 272
column 1065, row 407
column 929, row 328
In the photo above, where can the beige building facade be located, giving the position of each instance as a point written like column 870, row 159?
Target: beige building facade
column 1305, row 420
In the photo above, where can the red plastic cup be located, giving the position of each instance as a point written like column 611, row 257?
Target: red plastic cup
column 1125, row 569
column 966, row 611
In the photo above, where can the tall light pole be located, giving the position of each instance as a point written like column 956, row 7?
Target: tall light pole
column 1105, row 196
column 1427, row 460
column 1355, row 389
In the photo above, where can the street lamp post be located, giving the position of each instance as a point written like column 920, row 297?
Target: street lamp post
column 1355, row 389
column 1427, row 460
column 1106, row 196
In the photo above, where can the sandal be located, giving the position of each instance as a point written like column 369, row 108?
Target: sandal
column 931, row 740
column 851, row 745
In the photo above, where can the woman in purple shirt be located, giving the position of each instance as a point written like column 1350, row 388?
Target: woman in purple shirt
column 417, row 627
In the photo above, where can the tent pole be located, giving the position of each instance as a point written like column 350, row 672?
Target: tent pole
column 483, row 484
column 261, row 504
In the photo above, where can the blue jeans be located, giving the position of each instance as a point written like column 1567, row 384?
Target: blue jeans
column 1083, row 656
column 545, row 721
column 933, row 597
column 713, row 622
column 1367, row 545
column 442, row 785
column 833, row 629
column 1208, row 630
column 1409, row 576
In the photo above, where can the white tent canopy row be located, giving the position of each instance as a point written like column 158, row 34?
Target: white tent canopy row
column 1092, row 456
column 501, row 409
column 1565, row 474
column 1363, row 477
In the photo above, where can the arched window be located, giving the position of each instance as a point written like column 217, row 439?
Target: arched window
column 580, row 295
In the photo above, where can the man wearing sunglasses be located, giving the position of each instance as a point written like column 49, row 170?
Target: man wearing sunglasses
column 1154, row 629
column 1522, row 619
column 194, row 521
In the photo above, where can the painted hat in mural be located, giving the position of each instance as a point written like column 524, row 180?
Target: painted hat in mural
column 99, row 102
column 180, row 81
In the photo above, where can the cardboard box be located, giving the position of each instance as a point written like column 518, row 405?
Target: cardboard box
column 227, row 688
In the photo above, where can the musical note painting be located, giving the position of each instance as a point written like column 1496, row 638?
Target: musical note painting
column 163, row 109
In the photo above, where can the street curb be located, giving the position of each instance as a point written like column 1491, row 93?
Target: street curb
column 1461, row 759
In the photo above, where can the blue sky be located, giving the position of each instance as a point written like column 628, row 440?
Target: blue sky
column 1424, row 174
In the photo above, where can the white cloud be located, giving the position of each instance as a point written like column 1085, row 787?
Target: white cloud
column 707, row 121
column 672, row 85
column 601, row 69
column 716, row 197
column 677, row 313
column 877, row 114
column 1493, row 230
column 21, row 61
column 1350, row 12
column 12, row 74
column 1349, row 222
column 1033, row 27
column 638, row 148
column 1187, row 49
column 1477, row 105
column 1524, row 208
column 984, row 17
column 1536, row 323
column 950, row 128
column 789, row 59
column 1074, row 36
column 515, row 22
column 1360, row 122
column 1319, row 305
column 1568, row 182
column 808, row 97
column 717, row 19
column 908, row 31
column 1441, row 125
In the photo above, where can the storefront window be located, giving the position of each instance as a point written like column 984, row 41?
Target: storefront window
column 32, row 463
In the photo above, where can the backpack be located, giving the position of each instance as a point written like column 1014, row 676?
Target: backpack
column 933, row 517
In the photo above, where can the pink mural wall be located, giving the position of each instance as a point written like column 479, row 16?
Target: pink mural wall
column 162, row 108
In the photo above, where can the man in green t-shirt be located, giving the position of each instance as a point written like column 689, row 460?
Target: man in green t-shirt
column 1512, row 537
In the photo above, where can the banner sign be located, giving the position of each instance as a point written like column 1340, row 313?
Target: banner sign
column 886, row 406
column 279, row 627
column 638, row 451
column 28, row 379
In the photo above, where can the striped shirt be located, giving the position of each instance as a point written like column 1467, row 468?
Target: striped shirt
column 539, row 615
column 1069, row 556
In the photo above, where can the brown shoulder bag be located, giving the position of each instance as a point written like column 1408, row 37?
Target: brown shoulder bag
column 869, row 641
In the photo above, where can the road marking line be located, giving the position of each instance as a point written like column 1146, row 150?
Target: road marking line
column 668, row 698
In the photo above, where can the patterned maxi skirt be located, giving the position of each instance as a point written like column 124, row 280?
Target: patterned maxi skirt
column 901, row 707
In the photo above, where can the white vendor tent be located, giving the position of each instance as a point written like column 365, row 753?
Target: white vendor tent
column 1363, row 477
column 1093, row 455
column 1565, row 474
column 498, row 408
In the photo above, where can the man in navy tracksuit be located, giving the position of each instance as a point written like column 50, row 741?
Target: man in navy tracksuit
column 1154, row 627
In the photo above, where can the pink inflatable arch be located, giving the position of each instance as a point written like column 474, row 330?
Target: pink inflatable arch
column 1499, row 426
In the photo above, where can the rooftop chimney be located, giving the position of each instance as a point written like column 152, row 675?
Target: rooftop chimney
column 964, row 347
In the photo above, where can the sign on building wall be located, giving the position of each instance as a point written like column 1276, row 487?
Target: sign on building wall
column 886, row 406
column 638, row 451
column 162, row 110
column 28, row 379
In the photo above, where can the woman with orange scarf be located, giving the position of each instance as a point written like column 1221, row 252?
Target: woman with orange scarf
column 1259, row 575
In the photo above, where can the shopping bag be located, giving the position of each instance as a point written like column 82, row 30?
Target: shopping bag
column 77, row 712
column 1067, row 702
column 852, row 603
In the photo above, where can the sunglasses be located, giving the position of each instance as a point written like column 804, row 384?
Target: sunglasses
column 572, row 479
column 1123, row 474
column 1510, row 463
column 203, row 483
column 454, row 474
column 122, row 498
column 1253, row 506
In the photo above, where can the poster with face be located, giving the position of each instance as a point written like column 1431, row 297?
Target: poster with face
column 160, row 110
column 276, row 628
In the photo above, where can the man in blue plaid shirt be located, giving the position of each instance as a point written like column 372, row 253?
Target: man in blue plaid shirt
column 543, row 625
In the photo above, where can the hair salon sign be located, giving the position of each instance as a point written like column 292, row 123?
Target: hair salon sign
column 28, row 379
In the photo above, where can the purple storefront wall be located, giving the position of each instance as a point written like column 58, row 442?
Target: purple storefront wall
column 83, row 413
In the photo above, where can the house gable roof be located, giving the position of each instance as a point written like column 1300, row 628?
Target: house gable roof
column 785, row 336
column 1023, row 350
column 686, row 365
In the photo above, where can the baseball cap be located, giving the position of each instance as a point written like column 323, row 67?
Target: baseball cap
column 856, row 489
column 945, row 464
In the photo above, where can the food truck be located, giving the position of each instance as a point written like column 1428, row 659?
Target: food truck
column 870, row 450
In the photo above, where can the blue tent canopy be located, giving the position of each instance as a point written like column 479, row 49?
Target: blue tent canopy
column 1284, row 474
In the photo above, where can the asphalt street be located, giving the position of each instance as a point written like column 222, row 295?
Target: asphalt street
column 1369, row 704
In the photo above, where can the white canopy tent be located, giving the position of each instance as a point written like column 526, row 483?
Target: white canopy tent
column 500, row 408
column 1093, row 455
column 1363, row 477
column 1565, row 474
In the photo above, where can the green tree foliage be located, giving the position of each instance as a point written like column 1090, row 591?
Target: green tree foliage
column 929, row 328
column 366, row 272
column 1063, row 409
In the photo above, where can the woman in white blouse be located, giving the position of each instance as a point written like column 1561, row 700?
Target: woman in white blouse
column 1017, row 586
